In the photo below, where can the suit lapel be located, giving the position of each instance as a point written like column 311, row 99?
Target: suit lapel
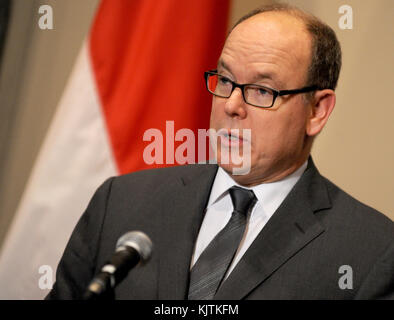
column 288, row 231
column 181, row 220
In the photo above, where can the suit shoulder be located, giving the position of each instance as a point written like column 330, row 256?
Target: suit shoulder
column 164, row 175
column 358, row 215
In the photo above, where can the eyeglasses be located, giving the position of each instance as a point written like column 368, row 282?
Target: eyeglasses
column 253, row 94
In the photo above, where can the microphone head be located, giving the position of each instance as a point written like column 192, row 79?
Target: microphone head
column 138, row 241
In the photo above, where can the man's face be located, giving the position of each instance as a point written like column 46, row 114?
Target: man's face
column 273, row 50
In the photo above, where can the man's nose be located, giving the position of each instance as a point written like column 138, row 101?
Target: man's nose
column 235, row 105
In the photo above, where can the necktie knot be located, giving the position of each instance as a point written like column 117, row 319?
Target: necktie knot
column 242, row 199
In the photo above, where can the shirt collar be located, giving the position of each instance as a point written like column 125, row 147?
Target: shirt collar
column 270, row 195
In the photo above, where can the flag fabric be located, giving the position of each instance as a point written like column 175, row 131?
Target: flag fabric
column 140, row 68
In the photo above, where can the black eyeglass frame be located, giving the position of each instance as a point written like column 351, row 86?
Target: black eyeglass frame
column 276, row 93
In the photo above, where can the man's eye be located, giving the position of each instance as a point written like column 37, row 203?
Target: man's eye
column 263, row 92
column 224, row 80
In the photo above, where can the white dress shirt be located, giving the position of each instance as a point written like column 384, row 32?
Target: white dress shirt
column 220, row 207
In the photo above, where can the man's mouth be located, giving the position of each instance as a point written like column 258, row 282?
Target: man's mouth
column 231, row 137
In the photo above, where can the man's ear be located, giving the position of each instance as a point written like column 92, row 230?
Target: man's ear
column 322, row 105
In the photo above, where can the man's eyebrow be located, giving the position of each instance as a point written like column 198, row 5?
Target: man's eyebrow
column 263, row 75
column 222, row 64
column 257, row 77
column 268, row 75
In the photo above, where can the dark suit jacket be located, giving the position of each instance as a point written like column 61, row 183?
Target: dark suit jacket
column 317, row 229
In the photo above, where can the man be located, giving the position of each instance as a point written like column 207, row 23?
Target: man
column 283, row 231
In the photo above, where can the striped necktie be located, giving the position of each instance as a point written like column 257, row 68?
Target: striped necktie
column 208, row 272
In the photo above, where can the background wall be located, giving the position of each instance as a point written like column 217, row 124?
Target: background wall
column 36, row 65
column 355, row 150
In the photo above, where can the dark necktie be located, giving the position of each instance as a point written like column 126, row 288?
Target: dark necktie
column 209, row 270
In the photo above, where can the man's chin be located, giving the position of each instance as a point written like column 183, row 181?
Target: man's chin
column 234, row 162
column 237, row 172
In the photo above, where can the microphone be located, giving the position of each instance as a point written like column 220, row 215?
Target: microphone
column 132, row 248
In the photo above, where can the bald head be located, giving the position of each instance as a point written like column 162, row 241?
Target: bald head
column 276, row 43
column 326, row 57
column 282, row 42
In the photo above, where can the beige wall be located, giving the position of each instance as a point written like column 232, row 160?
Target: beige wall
column 355, row 150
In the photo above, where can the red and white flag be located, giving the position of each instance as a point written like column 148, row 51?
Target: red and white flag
column 141, row 66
